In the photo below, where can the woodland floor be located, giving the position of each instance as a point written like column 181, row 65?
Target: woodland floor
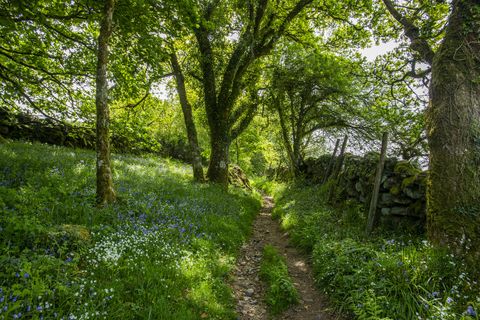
column 248, row 287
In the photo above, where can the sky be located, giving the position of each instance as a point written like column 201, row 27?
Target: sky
column 374, row 51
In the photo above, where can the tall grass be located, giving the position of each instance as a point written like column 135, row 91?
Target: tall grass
column 390, row 275
column 163, row 251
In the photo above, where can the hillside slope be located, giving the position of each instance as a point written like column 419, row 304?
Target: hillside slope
column 161, row 252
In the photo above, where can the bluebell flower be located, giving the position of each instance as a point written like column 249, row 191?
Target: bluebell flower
column 39, row 308
column 471, row 312
column 17, row 274
column 26, row 275
column 436, row 294
column 69, row 259
column 14, row 299
column 449, row 300
column 2, row 298
column 29, row 308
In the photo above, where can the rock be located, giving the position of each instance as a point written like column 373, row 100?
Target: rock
column 406, row 168
column 76, row 232
column 358, row 186
column 401, row 200
column 386, row 199
column 399, row 211
column 414, row 194
column 249, row 292
column 237, row 177
column 389, row 183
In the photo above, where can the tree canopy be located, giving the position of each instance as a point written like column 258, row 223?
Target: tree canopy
column 262, row 81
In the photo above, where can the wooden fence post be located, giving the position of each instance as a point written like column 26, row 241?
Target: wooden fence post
column 331, row 162
column 337, row 168
column 372, row 212
column 338, row 165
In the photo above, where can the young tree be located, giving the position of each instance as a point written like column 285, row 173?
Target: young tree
column 196, row 157
column 105, row 191
column 453, row 127
column 306, row 89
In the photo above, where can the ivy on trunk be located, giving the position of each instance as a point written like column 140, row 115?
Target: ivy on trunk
column 105, row 191
column 453, row 128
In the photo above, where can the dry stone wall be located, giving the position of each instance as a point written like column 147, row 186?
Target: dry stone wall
column 23, row 126
column 402, row 190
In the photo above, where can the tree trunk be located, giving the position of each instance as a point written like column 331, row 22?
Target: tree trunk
column 286, row 139
column 188, row 118
column 105, row 191
column 297, row 156
column 453, row 128
column 219, row 156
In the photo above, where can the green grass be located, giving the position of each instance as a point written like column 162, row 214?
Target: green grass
column 281, row 292
column 386, row 276
column 163, row 251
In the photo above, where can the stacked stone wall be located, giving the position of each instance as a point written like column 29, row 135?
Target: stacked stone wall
column 402, row 191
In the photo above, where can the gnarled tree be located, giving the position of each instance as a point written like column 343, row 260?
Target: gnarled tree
column 230, row 38
column 453, row 126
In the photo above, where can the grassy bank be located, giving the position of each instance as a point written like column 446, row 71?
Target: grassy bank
column 162, row 251
column 385, row 276
column 280, row 293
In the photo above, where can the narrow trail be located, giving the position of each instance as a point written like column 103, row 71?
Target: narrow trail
column 249, row 289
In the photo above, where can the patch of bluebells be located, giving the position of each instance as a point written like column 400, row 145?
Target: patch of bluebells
column 471, row 312
column 448, row 304
column 156, row 226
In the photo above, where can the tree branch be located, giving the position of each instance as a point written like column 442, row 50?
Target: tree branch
column 417, row 43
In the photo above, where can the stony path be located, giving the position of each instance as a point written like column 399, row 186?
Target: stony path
column 249, row 289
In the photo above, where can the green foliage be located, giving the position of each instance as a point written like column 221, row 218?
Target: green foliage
column 163, row 250
column 267, row 185
column 281, row 292
column 305, row 87
column 403, row 277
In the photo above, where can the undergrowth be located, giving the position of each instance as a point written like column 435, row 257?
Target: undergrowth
column 281, row 292
column 163, row 251
column 385, row 276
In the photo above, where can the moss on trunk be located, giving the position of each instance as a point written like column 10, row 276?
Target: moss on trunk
column 105, row 191
column 453, row 128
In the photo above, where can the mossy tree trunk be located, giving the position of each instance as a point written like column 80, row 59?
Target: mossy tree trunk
column 105, row 191
column 219, row 156
column 188, row 118
column 453, row 128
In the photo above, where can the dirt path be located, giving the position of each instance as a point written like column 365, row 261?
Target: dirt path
column 249, row 289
